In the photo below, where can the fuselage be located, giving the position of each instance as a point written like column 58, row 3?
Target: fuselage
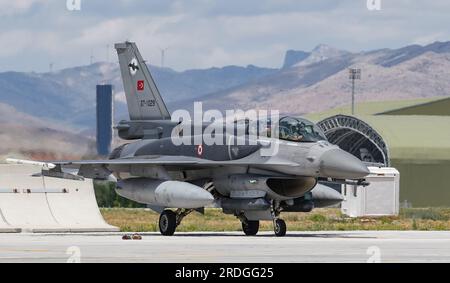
column 266, row 156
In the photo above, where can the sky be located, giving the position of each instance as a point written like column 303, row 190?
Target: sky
column 206, row 33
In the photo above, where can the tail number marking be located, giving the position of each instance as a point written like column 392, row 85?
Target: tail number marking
column 148, row 103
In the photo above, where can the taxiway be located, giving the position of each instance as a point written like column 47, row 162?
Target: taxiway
column 355, row 246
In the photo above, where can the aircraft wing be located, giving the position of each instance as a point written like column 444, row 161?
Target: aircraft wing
column 173, row 161
column 102, row 169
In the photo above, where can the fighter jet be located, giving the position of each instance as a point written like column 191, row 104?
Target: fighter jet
column 241, row 179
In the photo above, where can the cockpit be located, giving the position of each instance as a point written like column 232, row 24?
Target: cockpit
column 299, row 130
column 294, row 129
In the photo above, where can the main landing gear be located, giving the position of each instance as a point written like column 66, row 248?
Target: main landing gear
column 251, row 227
column 169, row 220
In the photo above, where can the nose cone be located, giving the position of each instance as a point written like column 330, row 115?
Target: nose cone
column 340, row 164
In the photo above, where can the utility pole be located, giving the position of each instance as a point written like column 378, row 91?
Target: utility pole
column 91, row 58
column 163, row 52
column 107, row 53
column 354, row 74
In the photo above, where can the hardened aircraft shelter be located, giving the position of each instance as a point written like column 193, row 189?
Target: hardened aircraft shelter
column 412, row 136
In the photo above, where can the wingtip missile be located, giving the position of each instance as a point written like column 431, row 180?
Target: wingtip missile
column 43, row 165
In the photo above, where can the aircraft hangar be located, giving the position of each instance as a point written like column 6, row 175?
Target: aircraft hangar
column 412, row 136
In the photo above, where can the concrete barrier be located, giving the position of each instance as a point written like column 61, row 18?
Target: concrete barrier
column 5, row 227
column 44, row 204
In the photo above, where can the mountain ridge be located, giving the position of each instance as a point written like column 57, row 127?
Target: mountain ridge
column 67, row 96
column 52, row 115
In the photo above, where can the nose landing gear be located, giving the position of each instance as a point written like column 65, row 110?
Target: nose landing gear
column 279, row 227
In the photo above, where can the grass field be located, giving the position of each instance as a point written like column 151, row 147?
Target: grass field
column 370, row 107
column 144, row 220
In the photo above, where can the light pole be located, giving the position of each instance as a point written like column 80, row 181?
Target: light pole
column 163, row 53
column 354, row 74
column 107, row 53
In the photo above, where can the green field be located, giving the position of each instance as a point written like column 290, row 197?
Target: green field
column 144, row 220
column 371, row 107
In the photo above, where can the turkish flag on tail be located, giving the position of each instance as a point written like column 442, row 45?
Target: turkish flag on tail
column 140, row 85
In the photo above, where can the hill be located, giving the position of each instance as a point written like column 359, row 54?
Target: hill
column 407, row 73
column 60, row 106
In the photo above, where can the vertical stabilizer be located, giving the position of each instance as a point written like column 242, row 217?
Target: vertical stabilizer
column 143, row 98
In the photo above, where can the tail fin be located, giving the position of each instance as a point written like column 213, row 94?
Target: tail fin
column 143, row 98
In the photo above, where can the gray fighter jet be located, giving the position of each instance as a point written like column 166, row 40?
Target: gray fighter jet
column 175, row 180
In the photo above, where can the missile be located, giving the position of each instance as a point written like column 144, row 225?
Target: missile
column 173, row 194
column 44, row 165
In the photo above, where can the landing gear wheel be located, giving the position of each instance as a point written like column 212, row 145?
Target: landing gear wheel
column 167, row 222
column 250, row 228
column 280, row 228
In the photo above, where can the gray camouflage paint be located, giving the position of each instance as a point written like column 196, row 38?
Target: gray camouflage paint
column 290, row 174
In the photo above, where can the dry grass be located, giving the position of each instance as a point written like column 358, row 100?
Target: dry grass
column 144, row 220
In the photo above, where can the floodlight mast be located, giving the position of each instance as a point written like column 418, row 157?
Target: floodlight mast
column 163, row 54
column 354, row 74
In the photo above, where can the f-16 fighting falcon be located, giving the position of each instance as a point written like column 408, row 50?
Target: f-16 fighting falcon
column 238, row 177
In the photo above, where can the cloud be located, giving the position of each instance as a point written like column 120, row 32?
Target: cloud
column 10, row 8
column 430, row 38
column 120, row 97
column 204, row 33
column 21, row 40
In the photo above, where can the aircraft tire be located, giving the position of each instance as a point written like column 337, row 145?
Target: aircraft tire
column 250, row 228
column 167, row 222
column 280, row 228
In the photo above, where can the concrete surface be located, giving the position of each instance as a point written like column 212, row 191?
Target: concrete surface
column 42, row 204
column 359, row 246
